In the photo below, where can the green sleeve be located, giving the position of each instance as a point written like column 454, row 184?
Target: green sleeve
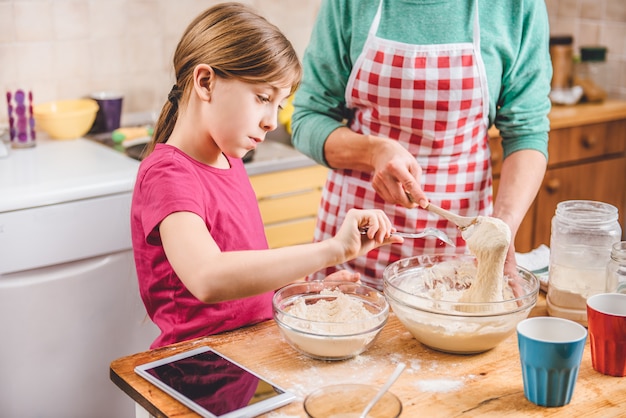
column 320, row 101
column 522, row 103
column 514, row 48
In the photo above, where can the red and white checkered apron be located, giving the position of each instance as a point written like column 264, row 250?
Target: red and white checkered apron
column 433, row 100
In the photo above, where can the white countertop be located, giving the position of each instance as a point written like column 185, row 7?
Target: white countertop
column 57, row 171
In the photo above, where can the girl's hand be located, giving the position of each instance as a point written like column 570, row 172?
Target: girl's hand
column 354, row 243
column 343, row 276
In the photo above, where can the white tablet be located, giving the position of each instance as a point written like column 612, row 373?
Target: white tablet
column 213, row 385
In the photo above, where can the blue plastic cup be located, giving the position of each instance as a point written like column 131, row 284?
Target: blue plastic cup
column 551, row 350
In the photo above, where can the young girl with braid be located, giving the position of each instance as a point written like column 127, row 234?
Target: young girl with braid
column 201, row 253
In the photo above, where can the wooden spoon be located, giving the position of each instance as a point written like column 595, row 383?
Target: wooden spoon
column 462, row 222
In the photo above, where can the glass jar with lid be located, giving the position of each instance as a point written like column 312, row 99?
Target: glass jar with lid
column 591, row 73
column 616, row 269
column 582, row 236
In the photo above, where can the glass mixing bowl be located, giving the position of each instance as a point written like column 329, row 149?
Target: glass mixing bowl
column 424, row 292
column 330, row 320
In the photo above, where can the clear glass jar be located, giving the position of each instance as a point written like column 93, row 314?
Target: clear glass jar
column 616, row 269
column 591, row 73
column 582, row 236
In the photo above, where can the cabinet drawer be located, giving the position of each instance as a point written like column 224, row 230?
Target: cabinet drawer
column 290, row 233
column 288, row 201
column 297, row 205
column 271, row 185
column 587, row 142
column 602, row 181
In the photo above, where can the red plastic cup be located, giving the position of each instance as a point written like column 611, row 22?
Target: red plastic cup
column 606, row 319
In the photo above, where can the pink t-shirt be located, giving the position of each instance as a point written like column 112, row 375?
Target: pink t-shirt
column 170, row 181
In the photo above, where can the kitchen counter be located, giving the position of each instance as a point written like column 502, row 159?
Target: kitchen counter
column 433, row 385
column 581, row 114
column 272, row 155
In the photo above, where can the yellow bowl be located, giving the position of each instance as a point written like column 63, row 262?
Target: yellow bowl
column 65, row 119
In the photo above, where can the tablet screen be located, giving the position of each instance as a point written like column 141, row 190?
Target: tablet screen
column 212, row 382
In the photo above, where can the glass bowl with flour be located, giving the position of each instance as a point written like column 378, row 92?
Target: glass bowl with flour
column 427, row 295
column 328, row 320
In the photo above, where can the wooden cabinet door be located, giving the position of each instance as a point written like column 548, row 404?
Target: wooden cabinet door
column 602, row 181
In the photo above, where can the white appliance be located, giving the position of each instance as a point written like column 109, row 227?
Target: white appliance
column 69, row 300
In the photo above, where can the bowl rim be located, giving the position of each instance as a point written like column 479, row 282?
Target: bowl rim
column 519, row 301
column 44, row 110
column 326, row 388
column 380, row 317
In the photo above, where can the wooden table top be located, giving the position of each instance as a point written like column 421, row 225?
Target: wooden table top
column 433, row 384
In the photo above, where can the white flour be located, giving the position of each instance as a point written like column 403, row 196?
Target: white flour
column 337, row 328
column 570, row 287
column 439, row 385
column 335, row 316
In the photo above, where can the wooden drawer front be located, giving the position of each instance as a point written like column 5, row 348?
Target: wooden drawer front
column 290, row 206
column 290, row 233
column 289, row 201
column 587, row 142
column 290, row 181
column 602, row 181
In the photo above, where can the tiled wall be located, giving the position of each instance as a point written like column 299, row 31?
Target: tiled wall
column 69, row 48
column 595, row 22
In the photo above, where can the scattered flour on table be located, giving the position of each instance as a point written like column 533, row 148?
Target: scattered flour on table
column 439, row 385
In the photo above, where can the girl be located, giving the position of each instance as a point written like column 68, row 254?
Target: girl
column 202, row 258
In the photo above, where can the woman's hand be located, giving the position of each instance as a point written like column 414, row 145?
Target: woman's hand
column 397, row 175
column 354, row 242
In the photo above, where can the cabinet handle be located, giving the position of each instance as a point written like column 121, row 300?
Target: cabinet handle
column 553, row 185
column 588, row 141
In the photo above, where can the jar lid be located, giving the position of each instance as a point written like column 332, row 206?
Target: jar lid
column 592, row 53
column 561, row 40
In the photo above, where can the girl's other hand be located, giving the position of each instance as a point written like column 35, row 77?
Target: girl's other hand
column 343, row 276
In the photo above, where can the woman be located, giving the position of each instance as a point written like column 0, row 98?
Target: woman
column 397, row 98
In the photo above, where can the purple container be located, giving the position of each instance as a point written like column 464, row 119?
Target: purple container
column 109, row 113
column 21, row 121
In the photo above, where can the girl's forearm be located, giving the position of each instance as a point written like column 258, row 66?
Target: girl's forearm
column 238, row 274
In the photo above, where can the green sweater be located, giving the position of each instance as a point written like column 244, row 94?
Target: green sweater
column 514, row 38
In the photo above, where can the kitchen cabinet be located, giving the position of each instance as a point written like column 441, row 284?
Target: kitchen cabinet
column 587, row 161
column 289, row 200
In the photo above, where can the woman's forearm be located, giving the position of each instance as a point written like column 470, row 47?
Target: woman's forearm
column 345, row 148
column 520, row 180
